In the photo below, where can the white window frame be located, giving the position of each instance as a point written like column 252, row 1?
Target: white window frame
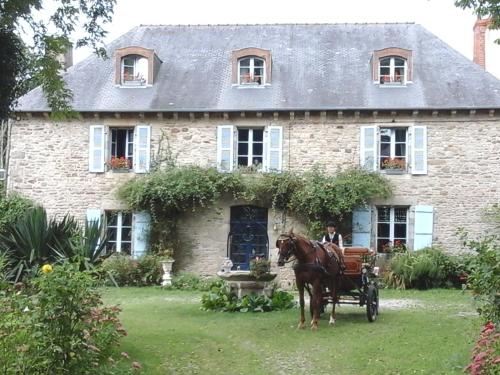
column 392, row 146
column 391, row 225
column 252, row 71
column 250, row 142
column 133, row 83
column 119, row 228
column 392, row 69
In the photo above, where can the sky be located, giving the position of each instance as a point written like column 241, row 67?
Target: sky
column 441, row 17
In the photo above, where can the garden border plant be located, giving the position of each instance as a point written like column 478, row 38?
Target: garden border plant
column 313, row 197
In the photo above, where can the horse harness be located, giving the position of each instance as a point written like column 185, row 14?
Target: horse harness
column 316, row 265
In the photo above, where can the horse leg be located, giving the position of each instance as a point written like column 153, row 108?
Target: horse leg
column 300, row 287
column 333, row 288
column 316, row 297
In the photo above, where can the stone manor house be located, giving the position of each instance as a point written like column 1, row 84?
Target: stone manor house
column 392, row 98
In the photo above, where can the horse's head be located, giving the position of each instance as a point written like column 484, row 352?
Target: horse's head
column 287, row 245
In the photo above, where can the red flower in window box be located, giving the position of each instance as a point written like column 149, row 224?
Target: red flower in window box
column 393, row 163
column 119, row 163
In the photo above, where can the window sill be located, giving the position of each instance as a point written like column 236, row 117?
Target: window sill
column 237, row 86
column 394, row 171
column 134, row 86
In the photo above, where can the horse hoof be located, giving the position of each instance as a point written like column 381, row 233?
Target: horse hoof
column 331, row 322
column 301, row 326
column 314, row 328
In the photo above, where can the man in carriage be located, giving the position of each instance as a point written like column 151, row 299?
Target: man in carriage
column 335, row 238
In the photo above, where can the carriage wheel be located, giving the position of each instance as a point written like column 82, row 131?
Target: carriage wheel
column 372, row 303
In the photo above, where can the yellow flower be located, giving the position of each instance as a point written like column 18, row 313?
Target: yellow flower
column 47, row 268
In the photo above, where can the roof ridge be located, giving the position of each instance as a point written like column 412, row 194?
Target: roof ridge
column 283, row 24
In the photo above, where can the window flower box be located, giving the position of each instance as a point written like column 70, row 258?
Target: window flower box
column 393, row 165
column 119, row 164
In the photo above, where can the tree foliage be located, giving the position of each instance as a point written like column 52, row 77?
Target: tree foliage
column 484, row 9
column 37, row 62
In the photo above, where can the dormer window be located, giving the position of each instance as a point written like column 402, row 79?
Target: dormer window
column 392, row 71
column 134, row 70
column 392, row 67
column 136, row 66
column 251, row 71
column 251, row 67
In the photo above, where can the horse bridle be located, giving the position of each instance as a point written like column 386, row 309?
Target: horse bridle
column 291, row 250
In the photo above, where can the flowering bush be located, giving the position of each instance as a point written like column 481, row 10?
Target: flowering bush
column 486, row 353
column 393, row 163
column 119, row 163
column 57, row 324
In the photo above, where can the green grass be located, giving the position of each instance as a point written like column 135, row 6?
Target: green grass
column 168, row 333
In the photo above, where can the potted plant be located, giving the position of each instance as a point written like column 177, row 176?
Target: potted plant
column 119, row 164
column 260, row 268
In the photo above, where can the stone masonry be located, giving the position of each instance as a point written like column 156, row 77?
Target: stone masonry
column 49, row 164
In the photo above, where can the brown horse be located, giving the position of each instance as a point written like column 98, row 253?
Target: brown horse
column 315, row 267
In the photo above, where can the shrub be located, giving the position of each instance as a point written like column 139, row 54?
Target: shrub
column 424, row 269
column 220, row 298
column 126, row 271
column 57, row 325
column 484, row 279
column 259, row 267
column 12, row 207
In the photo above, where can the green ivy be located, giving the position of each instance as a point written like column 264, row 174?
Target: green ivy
column 313, row 197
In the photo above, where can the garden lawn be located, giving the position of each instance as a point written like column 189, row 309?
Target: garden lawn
column 417, row 332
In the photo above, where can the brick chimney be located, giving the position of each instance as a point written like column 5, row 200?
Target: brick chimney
column 480, row 41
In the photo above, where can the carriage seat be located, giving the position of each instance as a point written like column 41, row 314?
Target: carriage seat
column 353, row 259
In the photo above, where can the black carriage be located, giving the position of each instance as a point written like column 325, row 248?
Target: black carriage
column 358, row 284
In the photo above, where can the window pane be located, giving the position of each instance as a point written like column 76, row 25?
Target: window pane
column 112, row 218
column 400, row 135
column 400, row 214
column 399, row 62
column 258, row 135
column 400, row 149
column 399, row 230
column 385, row 61
column 128, row 61
column 142, row 69
column 258, row 62
column 257, row 160
column 383, row 230
column 243, row 134
column 257, row 149
column 245, row 62
column 243, row 161
column 385, row 71
column 382, row 243
column 126, row 234
column 127, row 219
column 242, row 149
column 385, row 149
column 384, row 214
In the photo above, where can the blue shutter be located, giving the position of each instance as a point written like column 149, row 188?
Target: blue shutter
column 140, row 233
column 361, row 227
column 424, row 222
column 94, row 214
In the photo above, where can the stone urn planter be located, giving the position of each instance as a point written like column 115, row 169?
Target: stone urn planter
column 243, row 283
column 166, row 265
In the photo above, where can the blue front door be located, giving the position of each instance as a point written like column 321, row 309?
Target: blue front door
column 248, row 236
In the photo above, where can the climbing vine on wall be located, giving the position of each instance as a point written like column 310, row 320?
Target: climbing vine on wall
column 313, row 197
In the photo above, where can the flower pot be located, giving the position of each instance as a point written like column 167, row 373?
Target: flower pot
column 120, row 170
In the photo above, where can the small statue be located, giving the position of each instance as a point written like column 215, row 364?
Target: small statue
column 227, row 264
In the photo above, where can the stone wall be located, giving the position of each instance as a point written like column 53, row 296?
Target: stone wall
column 49, row 164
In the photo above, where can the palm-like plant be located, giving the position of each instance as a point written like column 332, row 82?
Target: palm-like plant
column 90, row 246
column 34, row 240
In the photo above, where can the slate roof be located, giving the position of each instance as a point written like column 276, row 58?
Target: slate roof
column 315, row 67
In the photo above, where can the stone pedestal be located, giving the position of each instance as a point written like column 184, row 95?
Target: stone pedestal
column 166, row 265
column 242, row 283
